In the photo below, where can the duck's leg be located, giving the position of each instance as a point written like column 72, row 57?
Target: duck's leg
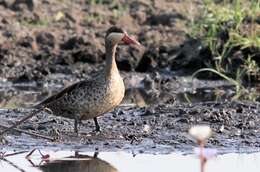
column 96, row 124
column 76, row 123
column 95, row 154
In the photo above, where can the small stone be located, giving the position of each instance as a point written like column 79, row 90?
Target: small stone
column 221, row 129
column 45, row 39
column 147, row 128
column 238, row 132
column 3, row 141
column 251, row 124
column 59, row 16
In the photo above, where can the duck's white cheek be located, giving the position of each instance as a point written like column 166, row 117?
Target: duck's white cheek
column 115, row 37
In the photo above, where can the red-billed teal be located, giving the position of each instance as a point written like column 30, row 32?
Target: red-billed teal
column 91, row 98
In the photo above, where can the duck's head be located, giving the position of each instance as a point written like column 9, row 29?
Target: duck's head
column 116, row 35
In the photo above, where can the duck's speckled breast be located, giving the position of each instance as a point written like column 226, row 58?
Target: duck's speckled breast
column 109, row 95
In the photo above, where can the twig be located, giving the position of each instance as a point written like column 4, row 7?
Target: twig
column 30, row 153
column 12, row 154
column 22, row 120
column 30, row 133
column 43, row 157
column 31, row 162
column 14, row 165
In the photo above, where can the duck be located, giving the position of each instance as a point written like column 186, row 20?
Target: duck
column 78, row 163
column 92, row 98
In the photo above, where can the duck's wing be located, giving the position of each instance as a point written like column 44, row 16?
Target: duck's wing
column 60, row 94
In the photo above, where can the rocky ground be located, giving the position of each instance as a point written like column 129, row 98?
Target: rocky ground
column 67, row 37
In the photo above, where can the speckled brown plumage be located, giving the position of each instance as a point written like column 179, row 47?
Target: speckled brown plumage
column 91, row 98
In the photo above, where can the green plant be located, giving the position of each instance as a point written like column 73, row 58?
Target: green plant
column 33, row 24
column 225, row 18
column 227, row 28
column 240, row 89
column 236, row 83
column 187, row 98
column 94, row 2
column 94, row 17
column 251, row 67
column 237, row 39
column 119, row 11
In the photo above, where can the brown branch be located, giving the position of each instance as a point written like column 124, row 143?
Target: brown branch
column 12, row 154
column 30, row 133
column 13, row 164
column 22, row 120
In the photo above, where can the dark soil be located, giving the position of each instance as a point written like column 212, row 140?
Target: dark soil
column 160, row 128
column 53, row 37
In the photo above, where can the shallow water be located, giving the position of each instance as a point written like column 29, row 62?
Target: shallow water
column 65, row 161
column 26, row 95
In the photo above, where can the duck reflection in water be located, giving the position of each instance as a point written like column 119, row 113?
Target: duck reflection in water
column 78, row 163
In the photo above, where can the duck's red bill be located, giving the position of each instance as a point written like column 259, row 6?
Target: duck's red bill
column 128, row 40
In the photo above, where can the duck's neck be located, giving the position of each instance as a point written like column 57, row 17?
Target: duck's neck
column 111, row 67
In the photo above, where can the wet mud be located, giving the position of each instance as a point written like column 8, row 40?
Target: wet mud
column 142, row 124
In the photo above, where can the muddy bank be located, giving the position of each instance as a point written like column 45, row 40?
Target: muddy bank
column 154, row 117
column 41, row 40
column 67, row 38
column 160, row 128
